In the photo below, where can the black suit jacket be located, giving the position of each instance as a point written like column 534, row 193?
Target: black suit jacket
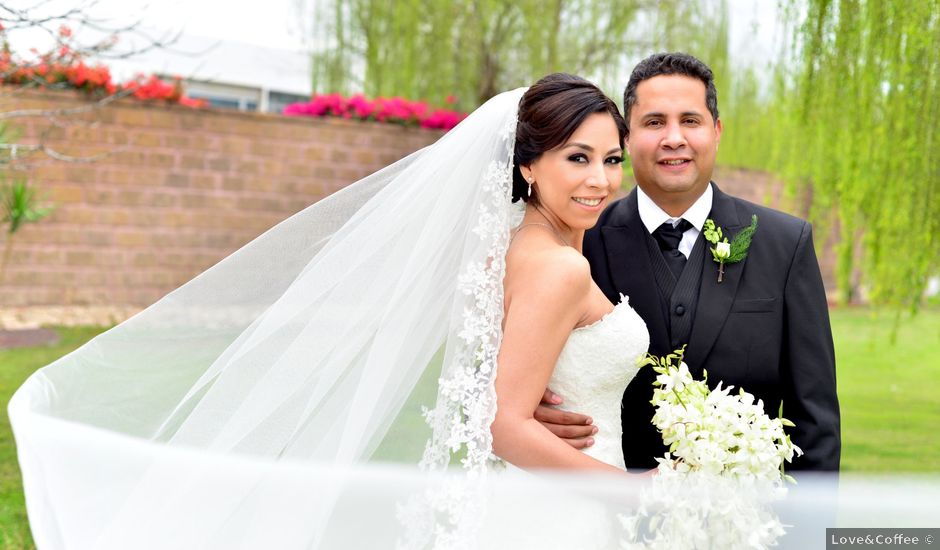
column 764, row 328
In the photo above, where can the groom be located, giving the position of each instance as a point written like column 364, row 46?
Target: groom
column 764, row 327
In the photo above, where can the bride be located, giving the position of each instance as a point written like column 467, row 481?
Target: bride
column 238, row 411
column 558, row 327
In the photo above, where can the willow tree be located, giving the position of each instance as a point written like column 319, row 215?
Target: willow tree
column 853, row 121
column 473, row 49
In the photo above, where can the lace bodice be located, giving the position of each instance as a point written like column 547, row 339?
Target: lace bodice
column 594, row 368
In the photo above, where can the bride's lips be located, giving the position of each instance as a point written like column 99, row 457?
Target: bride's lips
column 589, row 203
column 674, row 164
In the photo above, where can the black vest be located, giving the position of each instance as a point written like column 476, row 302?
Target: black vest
column 678, row 298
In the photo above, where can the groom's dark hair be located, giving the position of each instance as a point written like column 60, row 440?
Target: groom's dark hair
column 671, row 63
column 549, row 112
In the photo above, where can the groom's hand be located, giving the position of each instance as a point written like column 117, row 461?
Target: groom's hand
column 573, row 428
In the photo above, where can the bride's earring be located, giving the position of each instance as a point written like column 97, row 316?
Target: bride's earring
column 529, row 192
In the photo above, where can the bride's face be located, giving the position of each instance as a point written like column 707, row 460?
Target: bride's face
column 576, row 180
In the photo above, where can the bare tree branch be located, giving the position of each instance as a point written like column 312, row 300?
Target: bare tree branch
column 79, row 17
column 17, row 149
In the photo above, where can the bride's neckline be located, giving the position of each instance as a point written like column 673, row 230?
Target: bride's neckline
column 623, row 300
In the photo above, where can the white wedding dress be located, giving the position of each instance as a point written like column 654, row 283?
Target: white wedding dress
column 593, row 370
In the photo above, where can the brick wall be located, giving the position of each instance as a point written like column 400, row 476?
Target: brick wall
column 177, row 190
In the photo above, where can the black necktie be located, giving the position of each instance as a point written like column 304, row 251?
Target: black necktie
column 668, row 238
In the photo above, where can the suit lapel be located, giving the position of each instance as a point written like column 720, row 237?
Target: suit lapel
column 715, row 299
column 630, row 267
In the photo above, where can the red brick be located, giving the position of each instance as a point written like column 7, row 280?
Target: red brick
column 233, row 183
column 82, row 174
column 144, row 259
column 192, row 162
column 273, row 167
column 99, row 238
column 76, row 213
column 131, row 117
column 247, row 167
column 190, row 121
column 268, row 184
column 66, row 193
column 49, row 257
column 161, row 160
column 204, row 180
column 115, row 217
column 219, row 164
column 177, row 141
column 164, row 117
column 323, row 172
column 161, row 200
column 79, row 258
column 131, row 238
column 235, row 145
column 118, row 137
column 204, row 142
column 129, row 157
column 117, row 175
column 92, row 278
column 146, row 140
column 128, row 197
column 262, row 149
column 177, row 179
column 149, row 178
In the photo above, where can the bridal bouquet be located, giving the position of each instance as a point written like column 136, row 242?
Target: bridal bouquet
column 715, row 431
column 723, row 468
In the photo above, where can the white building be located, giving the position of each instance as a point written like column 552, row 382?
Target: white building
column 226, row 73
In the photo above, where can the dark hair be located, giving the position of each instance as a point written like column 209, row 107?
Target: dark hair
column 549, row 112
column 671, row 63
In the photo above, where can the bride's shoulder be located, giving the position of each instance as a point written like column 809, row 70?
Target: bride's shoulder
column 549, row 271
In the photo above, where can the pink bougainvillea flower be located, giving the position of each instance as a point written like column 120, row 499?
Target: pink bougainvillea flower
column 395, row 110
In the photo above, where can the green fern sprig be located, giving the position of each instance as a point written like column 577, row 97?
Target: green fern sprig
column 742, row 241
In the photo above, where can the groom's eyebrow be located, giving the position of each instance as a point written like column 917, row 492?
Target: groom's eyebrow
column 663, row 115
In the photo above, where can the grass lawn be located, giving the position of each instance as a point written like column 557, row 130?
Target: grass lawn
column 15, row 366
column 888, row 393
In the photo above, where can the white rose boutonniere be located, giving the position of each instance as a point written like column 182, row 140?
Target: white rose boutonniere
column 726, row 252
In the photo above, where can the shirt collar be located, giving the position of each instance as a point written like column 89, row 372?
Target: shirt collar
column 653, row 216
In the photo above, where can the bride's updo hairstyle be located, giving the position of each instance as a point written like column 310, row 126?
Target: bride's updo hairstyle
column 549, row 112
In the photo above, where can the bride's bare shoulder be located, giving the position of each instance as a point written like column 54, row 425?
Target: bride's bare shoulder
column 547, row 269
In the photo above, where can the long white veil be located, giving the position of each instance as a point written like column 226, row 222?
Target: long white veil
column 301, row 346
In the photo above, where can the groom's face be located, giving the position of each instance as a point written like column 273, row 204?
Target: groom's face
column 673, row 139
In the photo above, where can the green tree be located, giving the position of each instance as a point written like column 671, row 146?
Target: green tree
column 473, row 49
column 850, row 120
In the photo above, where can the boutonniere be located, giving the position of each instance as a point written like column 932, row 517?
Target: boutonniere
column 725, row 252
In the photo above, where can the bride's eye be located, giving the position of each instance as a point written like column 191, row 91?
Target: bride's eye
column 614, row 160
column 579, row 157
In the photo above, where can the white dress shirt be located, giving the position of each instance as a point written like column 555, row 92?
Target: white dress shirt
column 653, row 216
